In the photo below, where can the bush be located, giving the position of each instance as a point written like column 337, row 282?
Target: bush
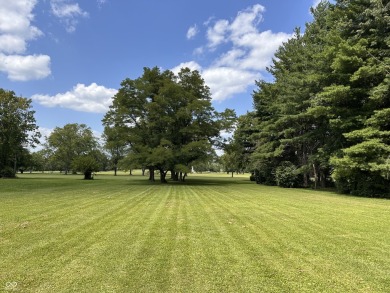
column 7, row 172
column 286, row 175
column 362, row 183
column 265, row 175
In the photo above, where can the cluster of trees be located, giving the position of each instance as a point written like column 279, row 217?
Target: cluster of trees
column 165, row 122
column 160, row 121
column 72, row 148
column 325, row 118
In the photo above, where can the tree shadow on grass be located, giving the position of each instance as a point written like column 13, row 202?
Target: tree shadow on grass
column 194, row 182
column 191, row 180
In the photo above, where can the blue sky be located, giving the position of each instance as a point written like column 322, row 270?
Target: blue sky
column 69, row 56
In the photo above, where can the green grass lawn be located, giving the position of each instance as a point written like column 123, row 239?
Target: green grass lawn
column 212, row 234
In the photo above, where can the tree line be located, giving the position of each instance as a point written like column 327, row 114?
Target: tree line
column 158, row 122
column 323, row 120
column 325, row 117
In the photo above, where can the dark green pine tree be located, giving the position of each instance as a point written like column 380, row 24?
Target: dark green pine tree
column 362, row 167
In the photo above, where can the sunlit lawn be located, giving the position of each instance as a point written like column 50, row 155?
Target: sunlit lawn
column 212, row 234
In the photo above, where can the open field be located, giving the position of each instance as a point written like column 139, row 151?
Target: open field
column 212, row 234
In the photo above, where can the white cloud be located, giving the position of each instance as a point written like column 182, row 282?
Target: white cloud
column 250, row 51
column 224, row 82
column 45, row 132
column 68, row 13
column 23, row 68
column 315, row 3
column 246, row 21
column 12, row 44
column 191, row 65
column 192, row 32
column 15, row 22
column 93, row 98
column 261, row 48
column 16, row 31
column 216, row 34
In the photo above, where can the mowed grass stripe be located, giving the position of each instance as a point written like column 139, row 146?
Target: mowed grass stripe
column 296, row 239
column 257, row 241
column 71, row 237
column 221, row 235
column 105, row 242
column 215, row 256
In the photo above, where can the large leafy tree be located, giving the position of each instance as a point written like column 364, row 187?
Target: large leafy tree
column 18, row 130
column 70, row 142
column 167, row 120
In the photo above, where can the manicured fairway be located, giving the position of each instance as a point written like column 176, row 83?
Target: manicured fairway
column 213, row 234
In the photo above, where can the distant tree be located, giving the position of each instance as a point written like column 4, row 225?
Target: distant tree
column 242, row 143
column 24, row 160
column 229, row 161
column 18, row 130
column 69, row 142
column 115, row 144
column 38, row 161
column 87, row 164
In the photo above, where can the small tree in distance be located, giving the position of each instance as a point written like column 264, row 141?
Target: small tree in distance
column 86, row 164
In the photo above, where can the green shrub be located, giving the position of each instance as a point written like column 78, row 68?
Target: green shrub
column 7, row 172
column 286, row 175
column 362, row 183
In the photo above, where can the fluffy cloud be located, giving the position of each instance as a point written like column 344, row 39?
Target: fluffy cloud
column 246, row 21
column 15, row 25
column 192, row 32
column 224, row 82
column 23, row 68
column 68, row 13
column 216, row 33
column 16, row 31
column 191, row 65
column 93, row 98
column 249, row 51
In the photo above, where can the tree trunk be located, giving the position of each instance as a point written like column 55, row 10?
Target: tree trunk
column 304, row 162
column 174, row 175
column 232, row 173
column 130, row 172
column 115, row 169
column 162, row 176
column 151, row 174
column 88, row 175
column 143, row 171
column 315, row 176
column 322, row 179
